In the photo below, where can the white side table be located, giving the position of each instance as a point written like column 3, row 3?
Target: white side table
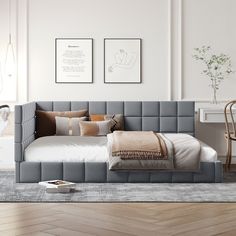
column 211, row 115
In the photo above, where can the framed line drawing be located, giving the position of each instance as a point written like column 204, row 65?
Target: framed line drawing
column 74, row 60
column 122, row 60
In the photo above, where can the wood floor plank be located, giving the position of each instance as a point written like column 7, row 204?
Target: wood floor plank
column 24, row 223
column 15, row 208
column 90, row 228
column 180, row 228
column 227, row 233
column 67, row 232
column 29, row 216
column 39, row 234
column 116, row 219
column 210, row 230
column 30, row 229
column 110, row 216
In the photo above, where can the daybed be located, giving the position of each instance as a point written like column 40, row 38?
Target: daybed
column 35, row 162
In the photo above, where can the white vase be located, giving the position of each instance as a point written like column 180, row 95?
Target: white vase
column 214, row 99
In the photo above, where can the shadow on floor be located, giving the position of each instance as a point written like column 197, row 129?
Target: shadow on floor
column 230, row 176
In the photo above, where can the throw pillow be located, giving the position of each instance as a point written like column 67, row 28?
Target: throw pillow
column 95, row 128
column 117, row 120
column 95, row 117
column 46, row 123
column 68, row 126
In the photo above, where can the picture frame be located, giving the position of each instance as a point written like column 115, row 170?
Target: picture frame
column 74, row 60
column 122, row 60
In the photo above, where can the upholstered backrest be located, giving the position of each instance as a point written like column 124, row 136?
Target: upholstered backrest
column 165, row 116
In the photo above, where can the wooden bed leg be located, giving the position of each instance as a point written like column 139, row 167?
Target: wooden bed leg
column 230, row 154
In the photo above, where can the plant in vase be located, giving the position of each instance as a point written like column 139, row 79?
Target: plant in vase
column 218, row 67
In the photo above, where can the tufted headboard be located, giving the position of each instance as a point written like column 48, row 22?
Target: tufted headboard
column 171, row 117
column 164, row 116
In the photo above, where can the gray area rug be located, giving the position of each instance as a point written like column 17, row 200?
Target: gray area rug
column 120, row 192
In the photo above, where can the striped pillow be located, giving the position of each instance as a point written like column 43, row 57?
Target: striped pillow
column 95, row 128
column 117, row 121
column 68, row 126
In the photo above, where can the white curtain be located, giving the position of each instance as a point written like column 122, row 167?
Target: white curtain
column 4, row 114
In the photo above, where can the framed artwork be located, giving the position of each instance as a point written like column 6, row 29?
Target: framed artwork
column 74, row 60
column 122, row 60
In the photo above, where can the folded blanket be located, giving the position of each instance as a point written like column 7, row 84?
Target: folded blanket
column 142, row 145
column 187, row 150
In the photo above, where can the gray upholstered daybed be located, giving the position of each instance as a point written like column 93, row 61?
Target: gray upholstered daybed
column 166, row 117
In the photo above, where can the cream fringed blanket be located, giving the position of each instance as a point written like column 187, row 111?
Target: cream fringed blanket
column 141, row 145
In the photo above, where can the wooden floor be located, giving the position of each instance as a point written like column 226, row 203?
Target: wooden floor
column 108, row 219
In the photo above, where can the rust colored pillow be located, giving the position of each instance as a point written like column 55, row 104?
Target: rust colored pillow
column 96, row 117
column 95, row 128
column 46, row 123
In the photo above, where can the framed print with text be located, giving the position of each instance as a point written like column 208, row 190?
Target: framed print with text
column 122, row 60
column 74, row 60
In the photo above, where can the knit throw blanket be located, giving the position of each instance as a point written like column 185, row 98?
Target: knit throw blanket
column 142, row 145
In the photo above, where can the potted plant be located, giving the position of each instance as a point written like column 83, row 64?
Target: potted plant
column 217, row 67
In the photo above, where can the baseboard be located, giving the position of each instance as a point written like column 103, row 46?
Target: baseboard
column 223, row 159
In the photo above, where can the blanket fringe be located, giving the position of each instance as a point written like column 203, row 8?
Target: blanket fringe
column 139, row 155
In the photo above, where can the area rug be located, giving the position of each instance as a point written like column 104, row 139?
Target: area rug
column 120, row 192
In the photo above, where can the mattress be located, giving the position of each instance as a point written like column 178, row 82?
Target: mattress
column 84, row 149
column 67, row 149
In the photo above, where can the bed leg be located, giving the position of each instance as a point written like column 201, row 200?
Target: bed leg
column 17, row 172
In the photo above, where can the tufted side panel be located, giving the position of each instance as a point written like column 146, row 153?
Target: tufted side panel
column 24, row 128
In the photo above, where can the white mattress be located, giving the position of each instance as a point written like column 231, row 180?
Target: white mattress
column 80, row 149
column 67, row 149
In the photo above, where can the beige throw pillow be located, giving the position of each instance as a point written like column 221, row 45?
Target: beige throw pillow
column 95, row 128
column 68, row 126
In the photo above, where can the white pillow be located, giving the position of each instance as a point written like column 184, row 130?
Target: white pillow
column 68, row 126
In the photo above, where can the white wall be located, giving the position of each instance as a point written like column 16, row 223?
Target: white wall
column 98, row 19
column 8, row 91
column 208, row 22
column 170, row 29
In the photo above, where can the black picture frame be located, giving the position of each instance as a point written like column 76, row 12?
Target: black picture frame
column 56, row 64
column 139, row 81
